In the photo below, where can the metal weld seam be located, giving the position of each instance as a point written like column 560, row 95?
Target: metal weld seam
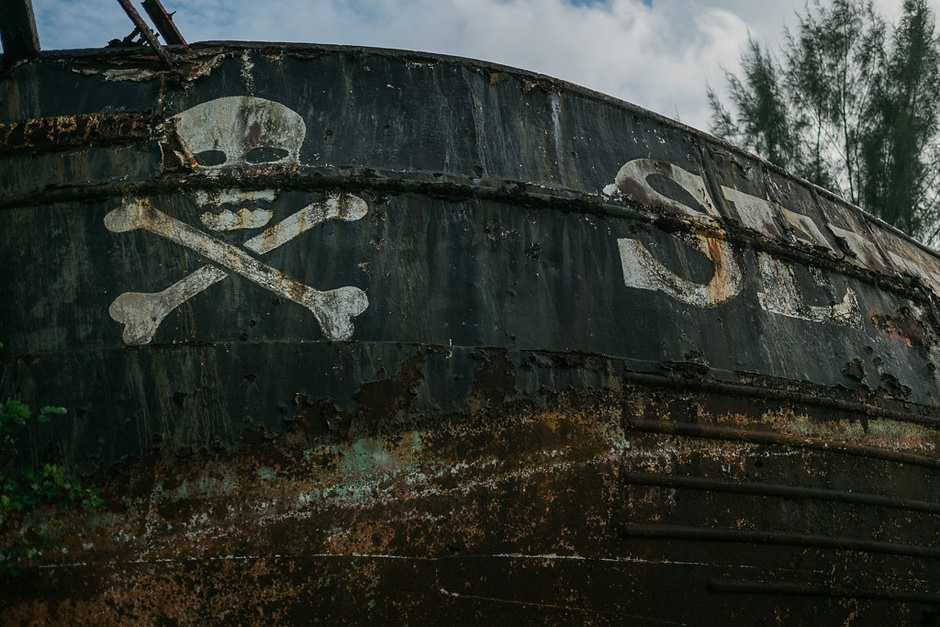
column 770, row 489
column 571, row 201
column 648, row 379
column 478, row 597
column 743, row 536
column 239, row 558
column 922, row 418
column 777, row 439
column 790, row 589
column 547, row 606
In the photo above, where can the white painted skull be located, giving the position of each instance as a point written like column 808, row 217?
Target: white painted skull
column 238, row 132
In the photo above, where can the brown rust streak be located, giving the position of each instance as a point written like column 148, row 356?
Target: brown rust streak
column 902, row 326
column 69, row 131
column 721, row 288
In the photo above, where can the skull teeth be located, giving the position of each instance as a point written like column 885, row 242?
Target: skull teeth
column 241, row 219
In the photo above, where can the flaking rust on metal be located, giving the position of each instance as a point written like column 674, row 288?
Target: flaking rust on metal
column 132, row 65
column 415, row 503
column 904, row 326
column 71, row 131
column 134, row 74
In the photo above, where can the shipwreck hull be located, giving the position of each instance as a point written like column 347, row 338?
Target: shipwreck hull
column 365, row 335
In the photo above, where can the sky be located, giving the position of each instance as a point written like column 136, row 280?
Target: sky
column 658, row 54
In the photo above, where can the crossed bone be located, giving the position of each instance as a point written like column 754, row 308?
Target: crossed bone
column 141, row 313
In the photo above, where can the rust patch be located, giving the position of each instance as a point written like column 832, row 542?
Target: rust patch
column 315, row 418
column 892, row 386
column 493, row 382
column 67, row 131
column 528, row 84
column 631, row 190
column 855, row 369
column 175, row 156
column 381, row 401
column 903, row 326
column 584, row 481
column 889, row 384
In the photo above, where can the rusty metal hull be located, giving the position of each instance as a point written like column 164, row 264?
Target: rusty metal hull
column 365, row 335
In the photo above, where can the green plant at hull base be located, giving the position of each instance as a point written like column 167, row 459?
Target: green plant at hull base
column 29, row 488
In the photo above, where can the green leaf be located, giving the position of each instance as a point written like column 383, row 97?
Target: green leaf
column 54, row 473
column 13, row 413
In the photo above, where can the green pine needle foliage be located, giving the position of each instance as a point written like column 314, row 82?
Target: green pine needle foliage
column 851, row 104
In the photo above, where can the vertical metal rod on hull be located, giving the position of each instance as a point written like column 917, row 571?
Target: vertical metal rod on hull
column 164, row 23
column 147, row 34
column 18, row 31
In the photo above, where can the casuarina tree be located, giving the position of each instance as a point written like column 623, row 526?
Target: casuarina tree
column 852, row 104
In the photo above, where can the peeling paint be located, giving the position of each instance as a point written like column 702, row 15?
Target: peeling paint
column 58, row 132
column 642, row 270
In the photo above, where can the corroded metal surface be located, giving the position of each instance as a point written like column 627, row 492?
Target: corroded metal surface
column 56, row 133
column 379, row 336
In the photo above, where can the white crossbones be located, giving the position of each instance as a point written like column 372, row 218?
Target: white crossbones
column 142, row 313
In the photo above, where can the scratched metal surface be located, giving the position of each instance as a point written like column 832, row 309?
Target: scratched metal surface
column 379, row 335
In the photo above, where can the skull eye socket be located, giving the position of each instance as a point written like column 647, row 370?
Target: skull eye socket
column 265, row 154
column 209, row 158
